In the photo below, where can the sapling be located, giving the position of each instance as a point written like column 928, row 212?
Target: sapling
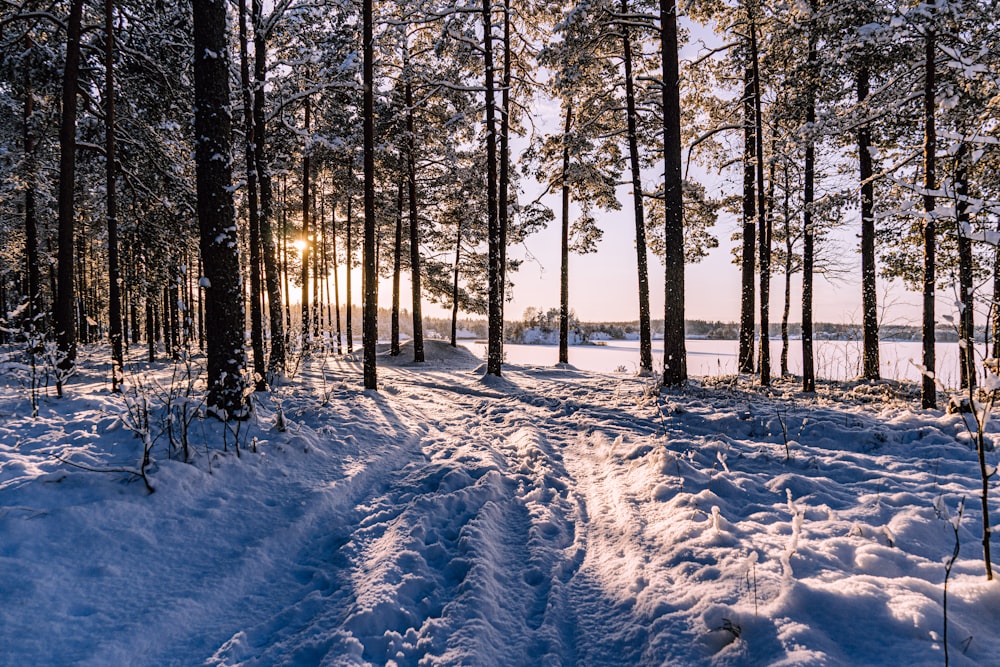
column 784, row 435
column 948, row 564
column 752, row 569
column 981, row 412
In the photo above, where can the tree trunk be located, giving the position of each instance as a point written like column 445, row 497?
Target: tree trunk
column 174, row 296
column 928, row 391
column 564, row 244
column 370, row 298
column 277, row 360
column 411, row 189
column 675, row 353
column 306, row 243
column 749, row 258
column 788, row 273
column 34, row 295
column 503, row 196
column 256, row 312
column 454, row 284
column 316, row 316
column 287, row 301
column 150, row 330
column 396, row 270
column 350, row 267
column 497, row 288
column 645, row 328
column 966, row 327
column 763, row 221
column 201, row 306
column 64, row 315
column 224, row 312
column 995, row 306
column 869, row 296
column 809, row 176
column 336, row 278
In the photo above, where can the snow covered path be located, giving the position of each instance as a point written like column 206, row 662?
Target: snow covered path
column 552, row 517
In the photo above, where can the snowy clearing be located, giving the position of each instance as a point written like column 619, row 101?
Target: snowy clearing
column 552, row 517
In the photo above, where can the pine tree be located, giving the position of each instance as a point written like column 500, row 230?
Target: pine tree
column 216, row 215
column 674, row 353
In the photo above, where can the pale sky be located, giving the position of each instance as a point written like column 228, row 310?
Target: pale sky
column 604, row 286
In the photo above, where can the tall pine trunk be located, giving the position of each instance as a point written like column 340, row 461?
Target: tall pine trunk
column 763, row 221
column 645, row 328
column 809, row 177
column 928, row 391
column 454, row 283
column 256, row 312
column 350, row 267
column 966, row 327
column 224, row 312
column 564, row 244
column 869, row 296
column 336, row 280
column 674, row 349
column 494, row 354
column 30, row 211
column 369, row 301
column 64, row 308
column 411, row 189
column 786, row 210
column 114, row 273
column 748, row 261
column 397, row 257
column 269, row 248
column 306, row 243
column 503, row 176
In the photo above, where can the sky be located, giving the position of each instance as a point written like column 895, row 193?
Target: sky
column 604, row 285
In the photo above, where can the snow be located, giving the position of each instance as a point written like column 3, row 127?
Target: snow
column 554, row 516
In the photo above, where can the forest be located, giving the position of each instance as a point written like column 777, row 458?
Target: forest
column 177, row 175
column 213, row 452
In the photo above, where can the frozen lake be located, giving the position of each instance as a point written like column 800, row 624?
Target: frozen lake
column 835, row 360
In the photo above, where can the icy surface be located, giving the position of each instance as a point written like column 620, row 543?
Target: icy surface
column 549, row 517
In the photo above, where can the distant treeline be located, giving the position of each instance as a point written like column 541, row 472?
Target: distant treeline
column 717, row 330
column 712, row 330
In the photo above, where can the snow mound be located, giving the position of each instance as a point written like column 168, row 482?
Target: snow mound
column 437, row 353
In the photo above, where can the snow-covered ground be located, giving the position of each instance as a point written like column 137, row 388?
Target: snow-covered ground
column 551, row 517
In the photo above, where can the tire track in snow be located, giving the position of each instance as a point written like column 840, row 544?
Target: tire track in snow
column 533, row 431
column 606, row 576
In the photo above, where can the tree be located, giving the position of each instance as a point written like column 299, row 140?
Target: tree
column 114, row 275
column 64, row 315
column 253, row 200
column 748, row 262
column 276, row 361
column 582, row 160
column 497, row 288
column 928, row 391
column 632, row 138
column 216, row 215
column 674, row 352
column 370, row 301
column 808, row 229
